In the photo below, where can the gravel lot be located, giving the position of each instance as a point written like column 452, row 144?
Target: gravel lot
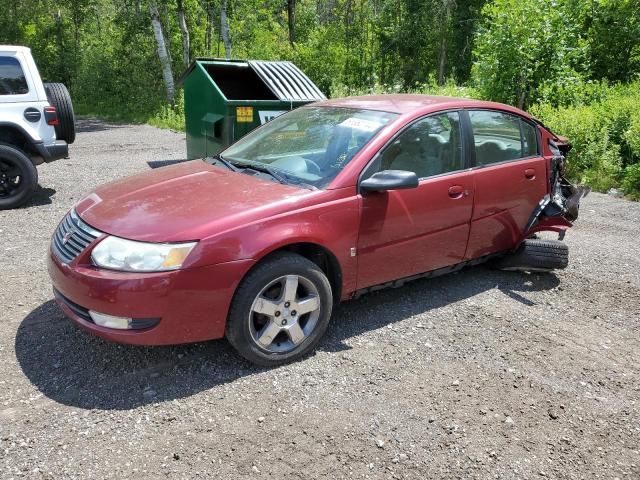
column 479, row 374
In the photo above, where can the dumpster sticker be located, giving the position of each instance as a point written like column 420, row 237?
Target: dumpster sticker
column 244, row 114
column 267, row 116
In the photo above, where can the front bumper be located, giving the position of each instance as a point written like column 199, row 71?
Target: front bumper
column 191, row 304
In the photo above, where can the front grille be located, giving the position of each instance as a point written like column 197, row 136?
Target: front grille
column 71, row 237
column 82, row 312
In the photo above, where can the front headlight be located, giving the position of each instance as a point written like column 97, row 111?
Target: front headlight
column 120, row 254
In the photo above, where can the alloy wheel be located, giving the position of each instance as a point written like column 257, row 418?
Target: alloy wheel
column 284, row 313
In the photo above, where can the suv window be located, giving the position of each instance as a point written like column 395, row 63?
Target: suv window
column 12, row 79
column 429, row 147
column 500, row 137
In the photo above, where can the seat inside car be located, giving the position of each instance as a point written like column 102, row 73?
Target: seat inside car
column 418, row 152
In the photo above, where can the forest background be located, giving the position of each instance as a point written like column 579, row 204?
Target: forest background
column 575, row 64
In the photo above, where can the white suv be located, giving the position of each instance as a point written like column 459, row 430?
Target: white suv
column 36, row 124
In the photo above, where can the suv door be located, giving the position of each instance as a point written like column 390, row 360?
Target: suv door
column 510, row 179
column 405, row 232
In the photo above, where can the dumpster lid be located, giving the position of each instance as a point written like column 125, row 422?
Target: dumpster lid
column 286, row 80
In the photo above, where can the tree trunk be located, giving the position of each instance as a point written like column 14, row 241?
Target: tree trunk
column 186, row 41
column 443, row 57
column 211, row 16
column 445, row 18
column 167, row 74
column 62, row 73
column 291, row 13
column 224, row 28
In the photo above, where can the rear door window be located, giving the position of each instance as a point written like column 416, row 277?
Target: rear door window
column 12, row 79
column 500, row 137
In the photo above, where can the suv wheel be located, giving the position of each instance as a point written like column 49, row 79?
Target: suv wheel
column 59, row 97
column 18, row 177
column 280, row 310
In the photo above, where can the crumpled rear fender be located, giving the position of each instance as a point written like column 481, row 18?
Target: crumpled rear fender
column 558, row 209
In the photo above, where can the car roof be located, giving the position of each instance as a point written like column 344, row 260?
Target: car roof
column 411, row 103
column 13, row 48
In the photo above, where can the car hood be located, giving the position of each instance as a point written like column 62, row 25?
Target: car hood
column 188, row 201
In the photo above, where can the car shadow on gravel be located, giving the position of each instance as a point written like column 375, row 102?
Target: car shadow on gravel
column 41, row 196
column 75, row 368
column 90, row 124
column 386, row 307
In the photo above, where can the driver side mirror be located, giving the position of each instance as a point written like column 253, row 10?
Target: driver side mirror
column 389, row 180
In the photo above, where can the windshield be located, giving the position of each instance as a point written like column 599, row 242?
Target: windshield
column 311, row 144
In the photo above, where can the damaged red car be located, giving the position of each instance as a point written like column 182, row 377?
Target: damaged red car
column 317, row 206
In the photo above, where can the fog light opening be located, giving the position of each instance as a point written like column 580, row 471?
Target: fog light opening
column 109, row 321
column 122, row 323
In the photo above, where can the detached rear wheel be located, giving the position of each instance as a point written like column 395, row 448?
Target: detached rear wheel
column 536, row 255
column 18, row 177
column 280, row 311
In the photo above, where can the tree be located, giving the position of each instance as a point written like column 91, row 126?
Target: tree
column 224, row 29
column 524, row 46
column 165, row 62
column 291, row 20
column 184, row 30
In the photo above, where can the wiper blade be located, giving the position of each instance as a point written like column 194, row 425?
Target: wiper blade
column 265, row 169
column 219, row 159
column 276, row 173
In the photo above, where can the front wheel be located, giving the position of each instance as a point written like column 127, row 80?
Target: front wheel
column 18, row 177
column 280, row 310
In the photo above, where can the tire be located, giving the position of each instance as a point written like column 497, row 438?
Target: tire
column 59, row 97
column 18, row 177
column 535, row 255
column 281, row 334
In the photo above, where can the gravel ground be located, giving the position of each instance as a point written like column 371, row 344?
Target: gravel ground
column 479, row 374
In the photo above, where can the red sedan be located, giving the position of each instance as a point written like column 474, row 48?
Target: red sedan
column 323, row 203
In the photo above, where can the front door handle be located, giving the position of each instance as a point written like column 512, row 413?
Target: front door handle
column 530, row 174
column 458, row 191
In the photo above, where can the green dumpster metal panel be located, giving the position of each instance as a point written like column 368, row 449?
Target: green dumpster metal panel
column 226, row 99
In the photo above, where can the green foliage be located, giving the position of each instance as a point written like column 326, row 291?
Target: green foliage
column 613, row 35
column 605, row 135
column 170, row 116
column 631, row 182
column 527, row 49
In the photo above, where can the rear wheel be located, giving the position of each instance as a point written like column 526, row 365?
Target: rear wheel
column 18, row 177
column 59, row 97
column 280, row 310
column 536, row 255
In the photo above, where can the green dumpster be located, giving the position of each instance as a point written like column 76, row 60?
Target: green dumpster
column 226, row 99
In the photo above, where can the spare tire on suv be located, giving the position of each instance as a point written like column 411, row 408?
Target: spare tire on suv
column 59, row 97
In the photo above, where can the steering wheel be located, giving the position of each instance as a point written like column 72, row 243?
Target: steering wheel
column 316, row 167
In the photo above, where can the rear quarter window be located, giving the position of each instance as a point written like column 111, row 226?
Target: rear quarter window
column 12, row 79
column 500, row 137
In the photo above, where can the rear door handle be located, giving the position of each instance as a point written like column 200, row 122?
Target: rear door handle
column 458, row 191
column 530, row 173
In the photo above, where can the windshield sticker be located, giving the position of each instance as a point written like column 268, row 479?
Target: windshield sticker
column 361, row 124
